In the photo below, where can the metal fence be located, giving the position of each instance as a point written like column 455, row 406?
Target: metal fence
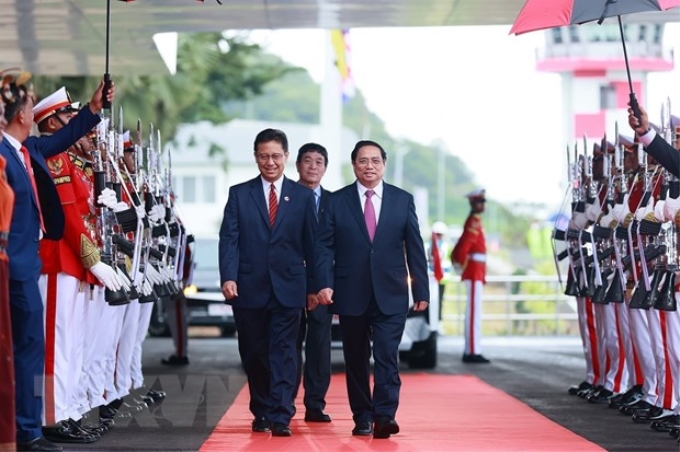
column 514, row 305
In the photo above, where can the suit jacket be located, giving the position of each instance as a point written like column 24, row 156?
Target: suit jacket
column 665, row 154
column 357, row 269
column 265, row 260
column 25, row 228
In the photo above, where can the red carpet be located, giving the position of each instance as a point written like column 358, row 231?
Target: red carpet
column 436, row 413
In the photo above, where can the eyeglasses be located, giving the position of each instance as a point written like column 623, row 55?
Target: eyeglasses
column 264, row 158
column 364, row 162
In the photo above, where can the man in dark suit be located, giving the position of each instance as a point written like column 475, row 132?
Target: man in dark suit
column 368, row 247
column 315, row 324
column 37, row 213
column 654, row 144
column 266, row 263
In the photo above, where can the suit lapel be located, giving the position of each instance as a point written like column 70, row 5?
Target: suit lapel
column 22, row 169
column 284, row 200
column 257, row 194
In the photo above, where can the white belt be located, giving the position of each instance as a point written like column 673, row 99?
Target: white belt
column 478, row 257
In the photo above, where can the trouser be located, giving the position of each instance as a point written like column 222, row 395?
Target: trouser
column 588, row 330
column 473, row 317
column 125, row 351
column 112, row 328
column 616, row 378
column 97, row 332
column 177, row 317
column 7, row 408
column 659, row 335
column 639, row 329
column 28, row 337
column 145, row 310
column 64, row 327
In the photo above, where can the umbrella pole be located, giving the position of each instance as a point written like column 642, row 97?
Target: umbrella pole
column 632, row 100
column 107, row 75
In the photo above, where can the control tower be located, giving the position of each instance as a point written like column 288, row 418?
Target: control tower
column 595, row 88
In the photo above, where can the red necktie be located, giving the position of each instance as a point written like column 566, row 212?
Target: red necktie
column 273, row 205
column 29, row 170
column 369, row 214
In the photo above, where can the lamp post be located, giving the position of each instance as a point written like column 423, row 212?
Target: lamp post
column 399, row 165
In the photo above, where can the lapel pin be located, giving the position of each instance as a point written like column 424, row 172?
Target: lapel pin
column 286, row 198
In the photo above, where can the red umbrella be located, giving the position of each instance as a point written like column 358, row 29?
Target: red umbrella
column 543, row 14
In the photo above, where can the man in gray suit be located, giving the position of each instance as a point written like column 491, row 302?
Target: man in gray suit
column 368, row 247
column 266, row 261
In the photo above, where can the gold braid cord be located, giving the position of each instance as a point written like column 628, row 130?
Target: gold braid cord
column 89, row 254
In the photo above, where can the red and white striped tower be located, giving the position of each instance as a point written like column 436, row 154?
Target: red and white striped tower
column 594, row 84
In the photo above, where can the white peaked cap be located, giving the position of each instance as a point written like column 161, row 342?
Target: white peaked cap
column 50, row 104
column 477, row 193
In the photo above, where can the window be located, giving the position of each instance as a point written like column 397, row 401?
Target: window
column 188, row 189
column 208, row 195
column 658, row 31
column 573, row 34
column 642, row 33
column 607, row 97
column 557, row 35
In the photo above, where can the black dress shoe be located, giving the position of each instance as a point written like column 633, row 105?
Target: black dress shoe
column 157, row 396
column 174, row 360
column 601, row 396
column 630, row 409
column 38, row 444
column 260, row 425
column 667, row 424
column 652, row 414
column 64, row 433
column 573, row 390
column 362, row 428
column 316, row 416
column 384, row 427
column 281, row 429
column 475, row 359
column 76, row 427
column 584, row 393
column 675, row 433
column 631, row 396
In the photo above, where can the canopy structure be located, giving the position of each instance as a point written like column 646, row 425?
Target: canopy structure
column 67, row 37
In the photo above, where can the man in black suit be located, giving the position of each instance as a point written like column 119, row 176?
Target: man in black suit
column 368, row 248
column 315, row 325
column 654, row 144
column 266, row 263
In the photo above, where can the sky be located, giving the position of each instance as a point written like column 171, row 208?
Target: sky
column 474, row 88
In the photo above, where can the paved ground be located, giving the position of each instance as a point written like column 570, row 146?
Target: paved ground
column 536, row 370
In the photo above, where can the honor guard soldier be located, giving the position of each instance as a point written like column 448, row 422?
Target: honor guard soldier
column 70, row 265
column 469, row 259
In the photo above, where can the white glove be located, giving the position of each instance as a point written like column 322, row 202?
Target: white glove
column 106, row 275
column 593, row 211
column 644, row 210
column 141, row 213
column 659, row 208
column 168, row 275
column 578, row 220
column 458, row 269
column 152, row 275
column 156, row 213
column 125, row 281
column 620, row 211
column 607, row 220
column 107, row 198
column 146, row 288
column 671, row 207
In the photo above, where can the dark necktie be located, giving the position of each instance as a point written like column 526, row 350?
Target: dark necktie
column 273, row 205
column 369, row 214
column 29, row 170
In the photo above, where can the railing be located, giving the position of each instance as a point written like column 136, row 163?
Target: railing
column 512, row 305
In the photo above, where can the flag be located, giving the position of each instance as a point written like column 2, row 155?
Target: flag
column 342, row 49
column 436, row 259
